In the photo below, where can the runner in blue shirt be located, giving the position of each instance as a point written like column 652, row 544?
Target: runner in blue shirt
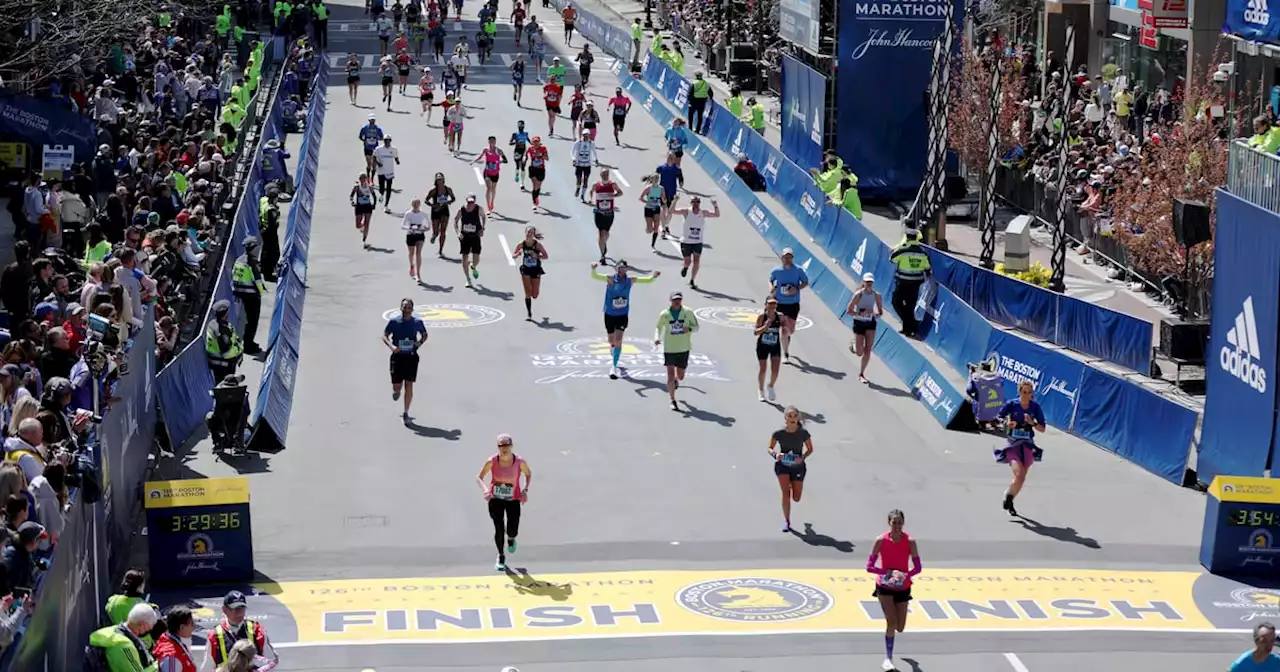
column 519, row 146
column 617, row 305
column 671, row 178
column 785, row 283
column 371, row 136
column 1261, row 658
column 677, row 137
column 404, row 335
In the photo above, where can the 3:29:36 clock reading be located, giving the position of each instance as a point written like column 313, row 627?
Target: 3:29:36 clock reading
column 1253, row 518
column 204, row 522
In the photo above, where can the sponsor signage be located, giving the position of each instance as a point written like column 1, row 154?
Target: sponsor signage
column 199, row 531
column 1166, row 13
column 592, row 358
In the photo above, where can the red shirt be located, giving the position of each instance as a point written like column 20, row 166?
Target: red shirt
column 552, row 93
column 604, row 194
column 75, row 335
column 401, row 43
column 168, row 647
column 577, row 100
column 537, row 155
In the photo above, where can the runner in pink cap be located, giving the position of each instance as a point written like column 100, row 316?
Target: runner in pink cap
column 504, row 494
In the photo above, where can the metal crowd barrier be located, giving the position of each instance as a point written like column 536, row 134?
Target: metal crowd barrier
column 1254, row 176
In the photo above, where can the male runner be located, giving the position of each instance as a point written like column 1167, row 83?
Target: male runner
column 617, row 305
column 493, row 158
column 785, row 283
column 555, row 71
column 517, row 79
column 621, row 105
column 585, row 58
column 551, row 93
column 671, row 178
column 517, row 20
column 675, row 333
column 469, row 225
column 370, row 135
column 584, row 155
column 404, row 335
column 538, row 156
column 691, row 238
column 604, row 192
column 387, row 158
column 519, row 145
column 569, row 14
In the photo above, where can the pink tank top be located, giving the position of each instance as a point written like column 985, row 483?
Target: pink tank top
column 508, row 475
column 492, row 161
column 896, row 555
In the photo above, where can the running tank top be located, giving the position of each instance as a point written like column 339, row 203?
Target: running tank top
column 427, row 85
column 364, row 195
column 471, row 221
column 353, row 69
column 619, row 105
column 492, row 161
column 439, row 198
column 865, row 301
column 769, row 337
column 895, row 555
column 604, row 194
column 653, row 197
column 504, row 481
column 530, row 258
column 517, row 71
column 577, row 103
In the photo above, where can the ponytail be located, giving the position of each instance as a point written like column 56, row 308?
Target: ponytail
column 799, row 415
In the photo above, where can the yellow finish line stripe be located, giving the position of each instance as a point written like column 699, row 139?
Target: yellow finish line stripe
column 680, row 603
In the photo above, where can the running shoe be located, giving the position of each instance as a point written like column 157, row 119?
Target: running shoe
column 888, row 665
column 475, row 272
column 395, row 396
column 405, row 416
column 613, row 373
column 769, row 393
column 786, row 526
column 511, row 546
column 500, row 566
column 684, row 271
column 674, row 407
column 760, row 395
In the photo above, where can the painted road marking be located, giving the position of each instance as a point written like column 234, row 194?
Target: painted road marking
column 675, row 245
column 479, row 177
column 452, row 315
column 1015, row 663
column 617, row 175
column 592, row 358
column 506, row 250
column 739, row 317
column 337, row 63
column 684, row 603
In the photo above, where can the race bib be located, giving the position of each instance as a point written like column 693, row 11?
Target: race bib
column 892, row 581
column 1020, row 433
column 530, row 260
column 504, row 491
column 788, row 289
column 789, row 459
column 605, row 206
column 468, row 228
column 677, row 328
column 620, row 302
column 406, row 345
column 769, row 338
column 442, row 200
column 491, row 166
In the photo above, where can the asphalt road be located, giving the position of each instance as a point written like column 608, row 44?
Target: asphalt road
column 369, row 532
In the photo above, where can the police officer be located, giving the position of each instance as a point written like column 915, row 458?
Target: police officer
column 222, row 25
column 269, row 232
column 637, row 34
column 246, row 284
column 735, row 102
column 699, row 96
column 222, row 345
column 911, row 267
column 233, row 628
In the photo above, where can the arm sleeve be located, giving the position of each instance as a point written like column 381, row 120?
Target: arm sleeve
column 643, row 279
column 916, row 566
column 871, row 566
column 599, row 276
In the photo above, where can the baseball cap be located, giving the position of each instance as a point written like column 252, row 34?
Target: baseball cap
column 868, row 277
column 234, row 600
column 677, row 295
column 787, row 251
column 75, row 309
column 471, row 198
column 30, row 531
column 11, row 370
column 372, row 116
column 504, row 439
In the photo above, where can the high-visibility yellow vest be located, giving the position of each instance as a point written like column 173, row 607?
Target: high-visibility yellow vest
column 97, row 254
column 213, row 350
column 636, row 32
column 701, row 89
column 164, row 19
column 757, row 116
column 322, row 12
column 735, row 107
column 242, row 280
column 910, row 261
column 222, row 24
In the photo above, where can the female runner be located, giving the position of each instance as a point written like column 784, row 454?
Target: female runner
column 590, row 120
column 531, row 253
column 504, row 495
column 492, row 157
column 453, row 117
column 893, row 581
column 790, row 447
column 404, row 63
column 387, row 70
column 651, row 196
column 768, row 346
column 577, row 102
column 440, row 197
column 353, row 77
column 538, row 156
column 1025, row 418
column 517, row 76
column 415, row 232
column 865, row 306
column 449, row 101
column 427, row 92
column 363, row 199
column 449, row 77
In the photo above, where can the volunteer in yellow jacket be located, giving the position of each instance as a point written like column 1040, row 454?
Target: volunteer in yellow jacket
column 1266, row 138
column 674, row 332
column 848, row 195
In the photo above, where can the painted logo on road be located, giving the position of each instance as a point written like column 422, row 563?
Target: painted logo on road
column 739, row 317
column 592, row 358
column 452, row 315
column 754, row 600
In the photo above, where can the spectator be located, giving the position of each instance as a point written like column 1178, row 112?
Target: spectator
column 11, row 618
column 166, row 339
column 58, row 357
column 748, row 173
column 240, row 658
column 11, row 394
column 77, row 330
column 120, row 648
column 173, row 648
column 19, row 556
column 15, row 282
column 50, row 492
column 26, row 448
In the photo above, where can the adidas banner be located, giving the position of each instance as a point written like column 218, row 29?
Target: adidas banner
column 1240, row 402
column 804, row 103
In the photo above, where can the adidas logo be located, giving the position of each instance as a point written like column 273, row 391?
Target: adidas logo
column 858, row 257
column 1242, row 362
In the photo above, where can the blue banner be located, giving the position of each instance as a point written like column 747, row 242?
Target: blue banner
column 44, row 122
column 1055, row 376
column 952, row 328
column 885, row 66
column 804, row 106
column 1240, row 401
column 1257, row 20
column 1135, row 423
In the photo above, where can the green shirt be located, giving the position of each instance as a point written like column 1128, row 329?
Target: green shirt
column 677, row 333
column 757, row 116
column 735, row 107
column 556, row 71
column 852, row 202
column 637, row 32
column 222, row 25
column 490, row 28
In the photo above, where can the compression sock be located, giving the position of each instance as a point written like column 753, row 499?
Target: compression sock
column 536, row 194
column 888, row 647
column 616, row 351
column 528, row 306
column 653, row 241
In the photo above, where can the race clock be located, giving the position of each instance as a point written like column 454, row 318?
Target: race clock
column 198, row 531
column 1241, row 532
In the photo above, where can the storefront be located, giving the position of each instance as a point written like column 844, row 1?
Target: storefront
column 1154, row 57
column 1256, row 36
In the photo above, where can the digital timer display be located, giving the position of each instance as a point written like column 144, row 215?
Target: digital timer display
column 1253, row 518
column 203, row 522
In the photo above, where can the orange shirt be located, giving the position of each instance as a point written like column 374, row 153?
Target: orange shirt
column 569, row 14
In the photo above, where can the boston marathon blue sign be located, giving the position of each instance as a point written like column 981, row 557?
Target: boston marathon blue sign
column 885, row 63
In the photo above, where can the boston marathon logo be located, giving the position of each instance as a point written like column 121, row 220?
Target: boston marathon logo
column 452, row 315
column 754, row 600
column 901, row 19
column 739, row 317
column 592, row 358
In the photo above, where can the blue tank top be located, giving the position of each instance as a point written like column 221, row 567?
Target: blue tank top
column 617, row 297
column 653, row 197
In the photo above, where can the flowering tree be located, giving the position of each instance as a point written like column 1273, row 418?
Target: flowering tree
column 969, row 119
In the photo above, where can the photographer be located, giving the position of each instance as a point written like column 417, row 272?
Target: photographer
column 70, row 428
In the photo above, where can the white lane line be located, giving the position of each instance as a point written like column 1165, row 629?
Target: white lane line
column 676, row 246
column 617, row 175
column 479, row 176
column 506, row 250
column 1015, row 663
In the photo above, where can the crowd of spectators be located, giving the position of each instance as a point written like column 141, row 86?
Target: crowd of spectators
column 704, row 24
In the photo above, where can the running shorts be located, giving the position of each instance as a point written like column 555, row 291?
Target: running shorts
column 899, row 596
column 404, row 367
column 604, row 220
column 863, row 326
column 680, row 360
column 765, row 352
column 440, row 214
column 613, row 323
column 353, row 79
column 491, row 179
column 553, row 108
column 690, row 249
column 469, row 244
column 619, row 121
column 791, row 310
column 412, row 239
column 795, row 471
column 538, row 173
column 652, row 212
column 532, row 271
column 582, row 172
column 364, row 208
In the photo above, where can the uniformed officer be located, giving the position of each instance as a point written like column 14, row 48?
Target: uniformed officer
column 321, row 25
column 911, row 268
column 637, row 34
column 222, row 345
column 235, row 627
column 699, row 96
column 269, row 231
column 735, row 102
column 222, row 25
column 247, row 285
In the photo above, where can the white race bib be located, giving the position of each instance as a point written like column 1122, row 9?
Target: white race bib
column 619, row 302
column 789, row 459
column 530, row 260
column 769, row 338
column 468, row 228
column 788, row 289
column 1020, row 433
column 406, row 345
column 677, row 328
column 504, row 491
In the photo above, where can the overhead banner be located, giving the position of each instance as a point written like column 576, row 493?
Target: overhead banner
column 43, row 122
column 798, row 23
column 885, row 64
column 804, row 104
column 1240, row 399
column 1253, row 19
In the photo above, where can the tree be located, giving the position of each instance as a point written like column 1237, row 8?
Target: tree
column 969, row 119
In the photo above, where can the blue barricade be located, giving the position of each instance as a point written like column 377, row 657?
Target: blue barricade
column 804, row 104
column 270, row 418
column 1056, row 376
column 953, row 329
column 1135, row 424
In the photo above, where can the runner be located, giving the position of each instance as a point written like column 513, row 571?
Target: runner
column 449, row 77
column 384, row 25
column 427, row 93
column 370, row 135
column 584, row 156
column 1024, row 417
column 617, row 305
column 652, row 197
column 537, row 47
column 790, row 448
column 415, row 232
column 555, row 71
column 404, row 335
column 461, row 60
column 517, row 79
column 493, row 158
column 768, row 352
column 584, row 59
column 621, row 106
column 865, row 306
column 457, row 11
column 364, row 200
column 454, row 115
column 590, row 120
column 785, row 283
column 677, row 137
column 519, row 144
column 538, row 156
column 387, row 71
column 404, row 64
column 417, row 28
column 893, row 549
column 671, row 177
column 531, row 253
column 504, row 495
column 517, row 20
column 569, row 14
column 603, row 193
column 691, row 237
column 675, row 333
column 440, row 197
column 551, row 93
column 387, row 158
column 485, row 38
column 469, row 224
column 577, row 102
column 436, row 34
column 353, row 76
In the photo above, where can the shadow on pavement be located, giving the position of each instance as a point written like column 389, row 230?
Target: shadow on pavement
column 1064, row 534
column 814, row 538
column 526, row 584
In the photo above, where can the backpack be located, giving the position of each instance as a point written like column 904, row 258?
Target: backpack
column 95, row 659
